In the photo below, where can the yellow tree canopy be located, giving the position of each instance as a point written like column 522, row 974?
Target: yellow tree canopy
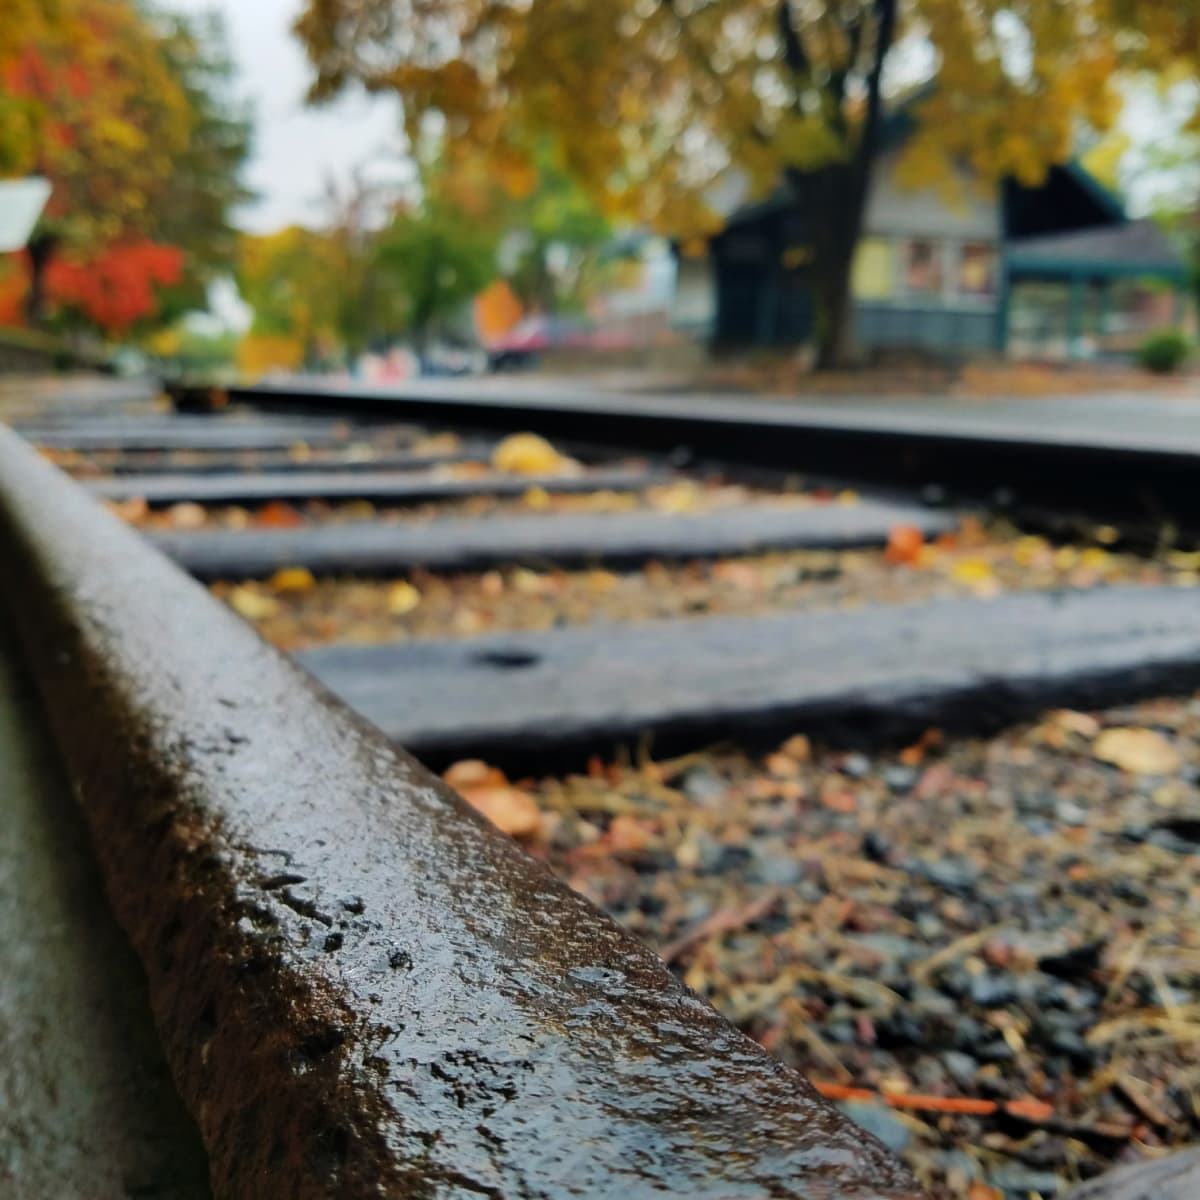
column 648, row 102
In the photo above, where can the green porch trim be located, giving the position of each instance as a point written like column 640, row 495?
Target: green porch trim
column 1018, row 265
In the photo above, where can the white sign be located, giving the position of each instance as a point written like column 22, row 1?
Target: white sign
column 21, row 203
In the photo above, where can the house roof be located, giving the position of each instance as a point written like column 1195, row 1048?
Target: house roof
column 1132, row 248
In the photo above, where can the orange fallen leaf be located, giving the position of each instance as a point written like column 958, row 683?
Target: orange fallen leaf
column 511, row 811
column 278, row 515
column 904, row 544
column 984, row 1191
column 782, row 766
column 839, row 802
column 798, row 747
column 474, row 772
column 1036, row 1111
column 627, row 834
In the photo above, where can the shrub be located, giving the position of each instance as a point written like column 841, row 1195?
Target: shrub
column 1163, row 351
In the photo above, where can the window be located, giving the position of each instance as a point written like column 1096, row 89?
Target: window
column 977, row 269
column 872, row 276
column 923, row 266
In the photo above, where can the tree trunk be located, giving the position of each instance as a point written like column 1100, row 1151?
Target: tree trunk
column 835, row 332
column 41, row 250
column 834, row 197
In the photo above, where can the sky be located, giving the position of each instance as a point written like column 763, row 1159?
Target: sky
column 297, row 148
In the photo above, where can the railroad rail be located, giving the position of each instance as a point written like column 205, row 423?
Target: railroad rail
column 359, row 986
column 1055, row 471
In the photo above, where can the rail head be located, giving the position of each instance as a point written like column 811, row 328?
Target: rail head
column 362, row 988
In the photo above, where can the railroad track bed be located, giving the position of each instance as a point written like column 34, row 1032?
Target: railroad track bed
column 922, row 863
column 976, row 946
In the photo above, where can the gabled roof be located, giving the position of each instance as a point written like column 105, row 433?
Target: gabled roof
column 1131, row 248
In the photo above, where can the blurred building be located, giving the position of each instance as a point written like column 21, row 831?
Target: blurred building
column 1058, row 270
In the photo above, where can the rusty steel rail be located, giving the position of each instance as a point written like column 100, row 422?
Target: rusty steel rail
column 361, row 987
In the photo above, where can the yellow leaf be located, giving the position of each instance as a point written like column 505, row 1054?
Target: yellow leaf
column 1139, row 751
column 251, row 603
column 681, row 497
column 526, row 454
column 1066, row 558
column 537, row 498
column 292, row 579
column 973, row 570
column 1028, row 550
column 402, row 598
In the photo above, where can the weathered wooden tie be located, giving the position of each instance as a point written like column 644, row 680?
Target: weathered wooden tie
column 568, row 539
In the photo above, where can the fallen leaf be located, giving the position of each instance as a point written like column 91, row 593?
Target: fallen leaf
column 252, row 604
column 742, row 576
column 681, row 497
column 602, row 581
column 474, row 772
column 782, row 766
column 1074, row 722
column 973, row 570
column 1139, row 751
column 278, row 515
column 527, row 454
column 798, row 747
column 186, row 516
column 528, row 583
column 1029, row 550
column 627, row 834
column 984, row 1191
column 537, row 498
column 904, row 544
column 292, row 579
column 839, row 802
column 510, row 810
column 134, row 510
column 402, row 598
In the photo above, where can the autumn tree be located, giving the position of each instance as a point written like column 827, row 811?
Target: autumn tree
column 648, row 103
column 292, row 280
column 435, row 260
column 117, row 108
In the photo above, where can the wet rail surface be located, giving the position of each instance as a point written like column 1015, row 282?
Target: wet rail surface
column 340, row 952
column 361, row 987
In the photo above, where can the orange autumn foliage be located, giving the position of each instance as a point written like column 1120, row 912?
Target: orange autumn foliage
column 904, row 544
